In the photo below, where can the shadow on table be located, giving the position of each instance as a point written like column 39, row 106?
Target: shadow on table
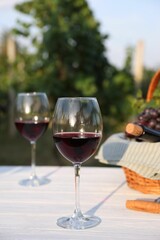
column 51, row 172
column 95, row 208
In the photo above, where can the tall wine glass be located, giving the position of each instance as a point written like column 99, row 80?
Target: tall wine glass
column 77, row 131
column 31, row 120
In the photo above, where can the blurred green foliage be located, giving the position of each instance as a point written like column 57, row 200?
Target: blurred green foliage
column 67, row 57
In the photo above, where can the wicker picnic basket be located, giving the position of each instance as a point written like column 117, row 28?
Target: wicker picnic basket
column 134, row 180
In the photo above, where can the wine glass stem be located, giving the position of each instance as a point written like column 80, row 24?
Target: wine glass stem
column 77, row 211
column 33, row 159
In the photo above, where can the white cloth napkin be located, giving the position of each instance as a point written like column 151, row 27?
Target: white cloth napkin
column 141, row 157
column 112, row 150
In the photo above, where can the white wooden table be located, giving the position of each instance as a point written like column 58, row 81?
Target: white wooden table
column 28, row 213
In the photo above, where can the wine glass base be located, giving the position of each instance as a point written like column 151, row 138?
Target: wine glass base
column 34, row 182
column 78, row 223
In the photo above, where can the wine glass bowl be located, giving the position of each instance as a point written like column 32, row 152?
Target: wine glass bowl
column 77, row 132
column 32, row 117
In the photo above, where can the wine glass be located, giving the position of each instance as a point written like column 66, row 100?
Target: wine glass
column 31, row 120
column 77, row 132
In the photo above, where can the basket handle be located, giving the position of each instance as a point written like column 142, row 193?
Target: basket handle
column 152, row 86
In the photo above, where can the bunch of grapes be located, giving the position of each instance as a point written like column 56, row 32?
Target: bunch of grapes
column 150, row 117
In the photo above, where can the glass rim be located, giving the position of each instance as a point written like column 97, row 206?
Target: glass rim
column 31, row 93
column 90, row 98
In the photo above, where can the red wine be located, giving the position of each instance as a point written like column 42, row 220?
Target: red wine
column 77, row 147
column 31, row 130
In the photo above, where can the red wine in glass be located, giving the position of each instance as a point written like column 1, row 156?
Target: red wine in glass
column 77, row 147
column 31, row 120
column 32, row 131
column 77, row 132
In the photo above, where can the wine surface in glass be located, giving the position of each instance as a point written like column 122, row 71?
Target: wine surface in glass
column 77, row 147
column 31, row 130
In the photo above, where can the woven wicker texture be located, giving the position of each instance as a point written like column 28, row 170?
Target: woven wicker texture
column 152, row 86
column 134, row 180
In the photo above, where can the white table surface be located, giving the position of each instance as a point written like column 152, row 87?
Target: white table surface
column 28, row 213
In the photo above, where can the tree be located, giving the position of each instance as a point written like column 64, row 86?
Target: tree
column 69, row 54
column 116, row 99
column 69, row 57
column 128, row 62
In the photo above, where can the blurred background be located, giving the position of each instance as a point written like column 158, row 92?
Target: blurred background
column 107, row 49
